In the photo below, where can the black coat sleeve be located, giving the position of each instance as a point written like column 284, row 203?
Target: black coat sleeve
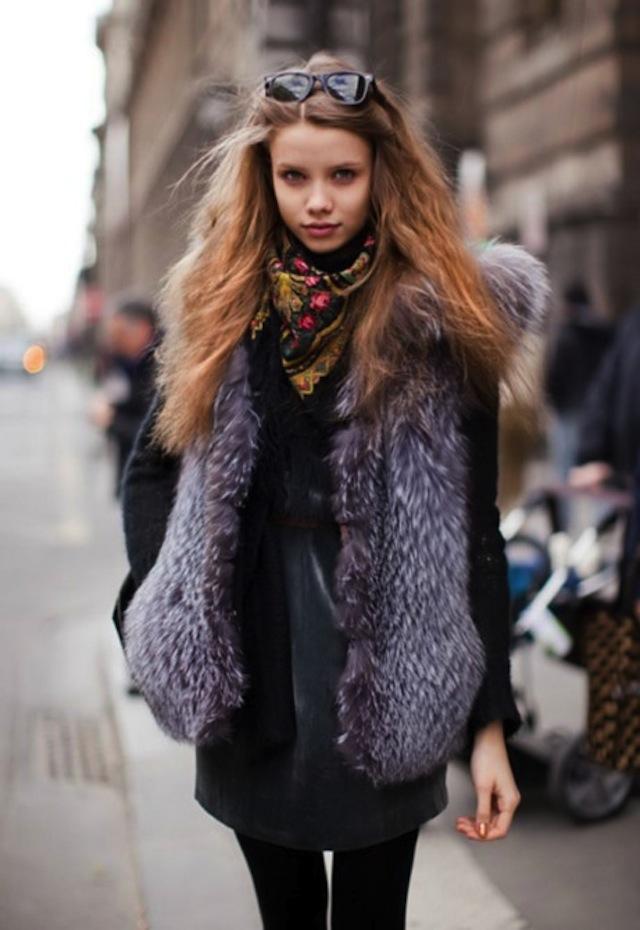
column 596, row 430
column 630, row 565
column 488, row 580
column 148, row 490
column 559, row 370
column 634, row 543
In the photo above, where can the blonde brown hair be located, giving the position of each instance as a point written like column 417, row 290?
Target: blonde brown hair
column 212, row 293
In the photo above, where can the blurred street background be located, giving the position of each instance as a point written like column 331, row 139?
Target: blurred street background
column 534, row 108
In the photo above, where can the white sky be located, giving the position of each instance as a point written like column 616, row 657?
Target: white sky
column 51, row 80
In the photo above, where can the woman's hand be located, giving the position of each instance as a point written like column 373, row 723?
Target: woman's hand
column 590, row 476
column 101, row 412
column 496, row 791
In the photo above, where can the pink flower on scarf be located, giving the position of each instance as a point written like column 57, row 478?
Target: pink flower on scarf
column 307, row 321
column 311, row 280
column 321, row 300
column 300, row 266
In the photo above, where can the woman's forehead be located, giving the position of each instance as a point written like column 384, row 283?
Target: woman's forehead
column 317, row 145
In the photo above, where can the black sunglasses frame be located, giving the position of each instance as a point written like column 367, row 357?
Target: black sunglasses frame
column 369, row 85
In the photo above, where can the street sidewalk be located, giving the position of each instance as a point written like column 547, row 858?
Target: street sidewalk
column 65, row 841
column 191, row 869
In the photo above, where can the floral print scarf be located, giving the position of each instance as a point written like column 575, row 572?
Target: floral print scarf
column 312, row 307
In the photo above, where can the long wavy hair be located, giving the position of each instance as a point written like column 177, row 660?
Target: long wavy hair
column 212, row 293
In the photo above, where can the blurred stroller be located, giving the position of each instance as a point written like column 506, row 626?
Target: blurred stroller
column 558, row 584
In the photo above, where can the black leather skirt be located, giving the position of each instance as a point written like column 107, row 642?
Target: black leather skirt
column 304, row 795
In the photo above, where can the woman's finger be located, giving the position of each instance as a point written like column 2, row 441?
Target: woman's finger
column 468, row 827
column 505, row 808
column 497, row 828
column 471, row 834
column 483, row 809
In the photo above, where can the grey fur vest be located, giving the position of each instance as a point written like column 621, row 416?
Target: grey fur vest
column 415, row 660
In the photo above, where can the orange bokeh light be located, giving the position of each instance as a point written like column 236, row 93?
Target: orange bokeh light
column 34, row 359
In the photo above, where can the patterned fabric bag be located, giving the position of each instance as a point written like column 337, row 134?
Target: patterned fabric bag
column 612, row 659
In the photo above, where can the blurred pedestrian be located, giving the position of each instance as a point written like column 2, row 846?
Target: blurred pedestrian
column 127, row 385
column 609, row 433
column 634, row 546
column 322, row 603
column 574, row 357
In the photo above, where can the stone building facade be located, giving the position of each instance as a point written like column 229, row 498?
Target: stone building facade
column 560, row 131
column 546, row 89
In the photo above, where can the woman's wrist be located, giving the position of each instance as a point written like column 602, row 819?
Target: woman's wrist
column 490, row 732
column 496, row 791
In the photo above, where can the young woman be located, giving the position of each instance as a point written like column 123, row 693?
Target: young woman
column 321, row 603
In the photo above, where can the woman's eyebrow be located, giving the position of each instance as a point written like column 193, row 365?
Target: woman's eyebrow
column 280, row 165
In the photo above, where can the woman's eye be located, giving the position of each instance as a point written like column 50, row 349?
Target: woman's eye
column 344, row 174
column 291, row 175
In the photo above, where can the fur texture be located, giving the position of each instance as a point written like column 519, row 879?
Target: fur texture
column 181, row 641
column 519, row 284
column 415, row 660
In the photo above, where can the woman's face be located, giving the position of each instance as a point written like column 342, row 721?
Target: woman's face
column 322, row 183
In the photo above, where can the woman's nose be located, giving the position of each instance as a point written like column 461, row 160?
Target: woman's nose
column 319, row 200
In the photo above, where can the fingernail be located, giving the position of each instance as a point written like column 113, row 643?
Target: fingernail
column 482, row 830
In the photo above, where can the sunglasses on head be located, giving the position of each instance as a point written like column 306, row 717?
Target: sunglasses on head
column 347, row 87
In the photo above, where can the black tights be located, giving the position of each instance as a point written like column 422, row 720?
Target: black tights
column 369, row 886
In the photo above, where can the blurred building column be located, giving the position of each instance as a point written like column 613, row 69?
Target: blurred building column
column 115, row 36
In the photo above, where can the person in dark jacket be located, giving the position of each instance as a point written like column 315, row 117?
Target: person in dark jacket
column 634, row 546
column 574, row 357
column 609, row 436
column 127, row 386
column 630, row 562
column 318, row 593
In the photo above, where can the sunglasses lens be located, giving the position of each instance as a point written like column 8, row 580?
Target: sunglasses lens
column 347, row 86
column 290, row 86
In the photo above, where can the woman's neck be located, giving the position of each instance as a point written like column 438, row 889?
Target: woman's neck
column 337, row 259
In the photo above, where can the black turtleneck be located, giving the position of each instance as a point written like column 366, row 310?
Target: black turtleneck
column 337, row 259
column 295, row 437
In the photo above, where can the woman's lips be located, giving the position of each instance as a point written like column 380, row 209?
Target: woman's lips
column 320, row 230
